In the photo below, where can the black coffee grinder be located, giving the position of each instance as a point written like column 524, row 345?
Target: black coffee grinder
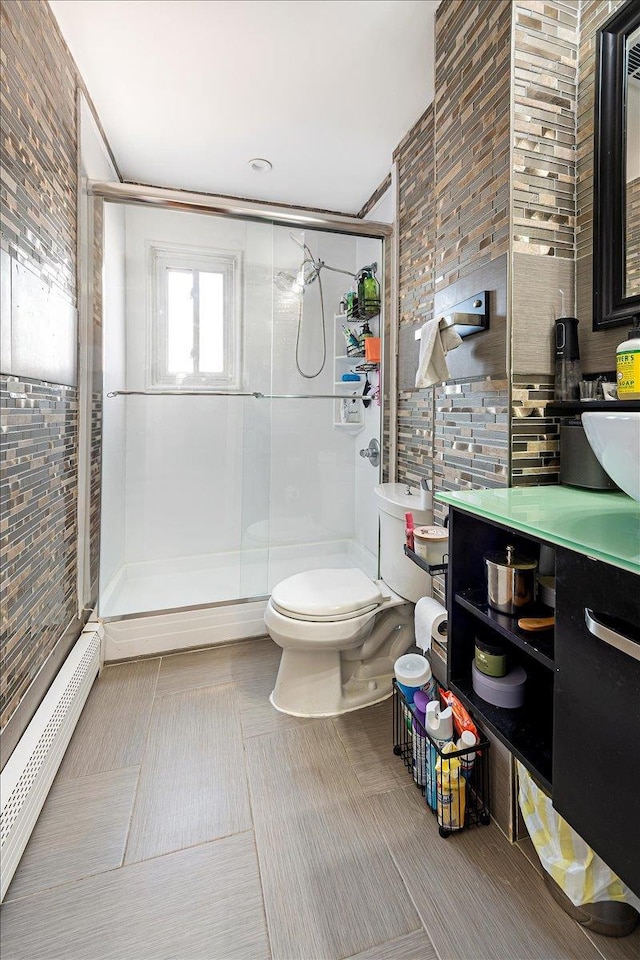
column 567, row 366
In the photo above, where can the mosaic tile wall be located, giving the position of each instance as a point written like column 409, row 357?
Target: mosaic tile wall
column 416, row 220
column 544, row 90
column 38, row 145
column 450, row 224
column 472, row 87
column 471, row 436
column 415, row 435
column 39, row 425
column 535, row 437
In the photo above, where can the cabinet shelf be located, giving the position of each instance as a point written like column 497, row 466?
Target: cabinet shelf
column 518, row 729
column 539, row 645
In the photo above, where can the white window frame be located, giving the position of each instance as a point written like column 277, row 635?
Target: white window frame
column 164, row 257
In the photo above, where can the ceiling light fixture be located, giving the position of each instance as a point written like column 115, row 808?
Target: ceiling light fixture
column 260, row 165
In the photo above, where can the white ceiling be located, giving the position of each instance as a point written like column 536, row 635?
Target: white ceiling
column 189, row 90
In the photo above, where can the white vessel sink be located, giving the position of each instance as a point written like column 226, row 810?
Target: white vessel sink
column 615, row 439
column 394, row 500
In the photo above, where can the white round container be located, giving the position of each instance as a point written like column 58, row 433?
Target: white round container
column 431, row 543
column 412, row 670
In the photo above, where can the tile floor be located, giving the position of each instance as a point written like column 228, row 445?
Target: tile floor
column 191, row 820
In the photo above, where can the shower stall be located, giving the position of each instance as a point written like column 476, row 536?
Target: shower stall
column 225, row 465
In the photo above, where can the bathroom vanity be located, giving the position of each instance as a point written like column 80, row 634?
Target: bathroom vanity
column 578, row 731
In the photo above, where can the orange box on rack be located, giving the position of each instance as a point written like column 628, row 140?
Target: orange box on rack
column 372, row 349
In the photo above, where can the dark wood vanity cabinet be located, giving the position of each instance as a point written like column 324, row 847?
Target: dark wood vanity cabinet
column 596, row 741
column 527, row 731
column 578, row 732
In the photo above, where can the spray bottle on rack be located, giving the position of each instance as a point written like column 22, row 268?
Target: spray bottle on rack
column 439, row 726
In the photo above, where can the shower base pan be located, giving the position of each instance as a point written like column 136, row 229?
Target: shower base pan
column 219, row 577
column 192, row 601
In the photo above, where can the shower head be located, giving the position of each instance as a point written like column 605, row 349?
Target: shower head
column 308, row 272
column 284, row 281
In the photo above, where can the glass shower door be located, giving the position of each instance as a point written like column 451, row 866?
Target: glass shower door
column 185, row 474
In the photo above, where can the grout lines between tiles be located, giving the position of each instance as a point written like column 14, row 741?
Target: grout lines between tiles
column 144, row 751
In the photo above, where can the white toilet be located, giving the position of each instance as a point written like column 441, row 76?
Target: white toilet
column 340, row 631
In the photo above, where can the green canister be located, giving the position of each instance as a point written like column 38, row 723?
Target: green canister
column 490, row 658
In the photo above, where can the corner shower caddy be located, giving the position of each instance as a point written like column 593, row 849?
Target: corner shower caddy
column 342, row 363
column 413, row 744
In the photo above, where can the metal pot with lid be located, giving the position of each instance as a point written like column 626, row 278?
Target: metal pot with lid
column 511, row 581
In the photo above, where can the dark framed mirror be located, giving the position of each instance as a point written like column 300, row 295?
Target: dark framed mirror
column 616, row 198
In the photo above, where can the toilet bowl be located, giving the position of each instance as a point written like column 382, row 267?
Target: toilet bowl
column 340, row 631
column 340, row 634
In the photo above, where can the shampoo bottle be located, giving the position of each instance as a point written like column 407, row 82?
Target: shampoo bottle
column 628, row 364
column 371, row 291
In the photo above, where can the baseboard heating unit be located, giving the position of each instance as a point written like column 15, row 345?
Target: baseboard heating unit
column 29, row 772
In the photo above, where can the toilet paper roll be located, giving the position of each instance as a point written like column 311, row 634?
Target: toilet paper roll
column 430, row 622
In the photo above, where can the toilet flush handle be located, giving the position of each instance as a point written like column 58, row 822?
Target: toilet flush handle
column 372, row 452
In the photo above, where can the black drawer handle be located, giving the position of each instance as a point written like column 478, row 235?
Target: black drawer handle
column 612, row 637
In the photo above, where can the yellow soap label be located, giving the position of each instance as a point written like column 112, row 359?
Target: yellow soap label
column 628, row 370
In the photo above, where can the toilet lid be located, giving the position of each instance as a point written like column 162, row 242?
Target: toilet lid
column 326, row 595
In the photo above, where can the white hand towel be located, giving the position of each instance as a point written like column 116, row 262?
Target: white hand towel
column 436, row 339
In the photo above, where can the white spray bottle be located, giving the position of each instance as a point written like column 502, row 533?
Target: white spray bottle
column 439, row 726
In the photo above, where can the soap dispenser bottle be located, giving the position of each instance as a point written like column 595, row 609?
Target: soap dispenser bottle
column 567, row 355
column 628, row 364
column 371, row 290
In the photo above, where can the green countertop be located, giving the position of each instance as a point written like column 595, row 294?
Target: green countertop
column 603, row 525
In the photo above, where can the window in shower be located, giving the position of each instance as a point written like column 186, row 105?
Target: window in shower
column 195, row 318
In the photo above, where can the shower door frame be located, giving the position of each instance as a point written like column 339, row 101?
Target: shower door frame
column 235, row 208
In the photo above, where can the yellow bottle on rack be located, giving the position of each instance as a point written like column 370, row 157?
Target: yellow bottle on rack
column 450, row 790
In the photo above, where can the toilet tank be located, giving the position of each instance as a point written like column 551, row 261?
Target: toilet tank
column 400, row 573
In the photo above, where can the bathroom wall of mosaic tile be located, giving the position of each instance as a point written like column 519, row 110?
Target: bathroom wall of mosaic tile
column 414, row 156
column 38, row 147
column 544, row 96
column 471, row 107
column 471, row 436
column 39, row 425
column 535, row 437
column 39, row 419
column 415, row 436
column 452, row 223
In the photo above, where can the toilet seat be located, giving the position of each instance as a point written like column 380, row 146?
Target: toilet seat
column 326, row 595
